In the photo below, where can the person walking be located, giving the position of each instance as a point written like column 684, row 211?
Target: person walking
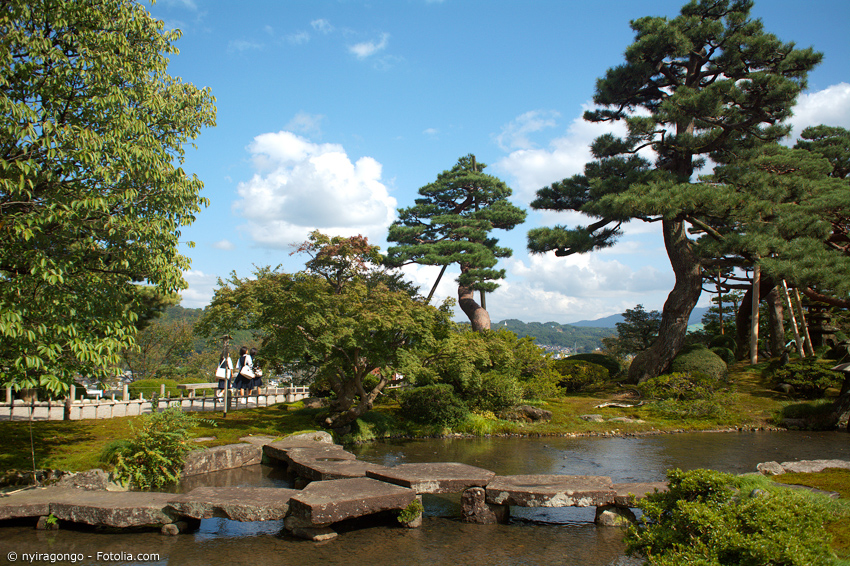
column 257, row 380
column 242, row 382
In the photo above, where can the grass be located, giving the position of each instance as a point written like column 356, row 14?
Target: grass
column 836, row 480
column 77, row 445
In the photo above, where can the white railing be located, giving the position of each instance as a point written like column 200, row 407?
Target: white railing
column 107, row 408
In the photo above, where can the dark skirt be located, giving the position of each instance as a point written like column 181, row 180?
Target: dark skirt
column 256, row 382
column 242, row 382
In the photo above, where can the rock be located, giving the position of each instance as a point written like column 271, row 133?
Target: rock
column 625, row 420
column 436, row 477
column 770, row 469
column 614, row 516
column 171, row 529
column 91, row 480
column 785, row 388
column 314, row 403
column 234, row 503
column 46, row 524
column 628, row 492
column 551, row 491
column 108, row 509
column 592, row 418
column 813, row 466
column 206, row 460
column 475, row 509
column 315, row 534
column 527, row 413
column 323, row 503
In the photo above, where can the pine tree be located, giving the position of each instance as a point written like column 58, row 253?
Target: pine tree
column 703, row 84
column 451, row 224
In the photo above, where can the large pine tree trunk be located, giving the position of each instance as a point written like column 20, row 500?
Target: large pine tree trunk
column 677, row 309
column 478, row 315
column 776, row 316
column 744, row 316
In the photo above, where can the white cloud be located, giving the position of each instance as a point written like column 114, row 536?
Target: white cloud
column 240, row 46
column 515, row 134
column 322, row 26
column 305, row 123
column 224, row 245
column 200, row 290
column 565, row 156
column 301, row 186
column 830, row 106
column 298, row 38
column 369, row 48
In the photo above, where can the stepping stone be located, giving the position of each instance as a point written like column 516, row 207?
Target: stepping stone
column 323, row 503
column 438, row 477
column 235, row 503
column 639, row 490
column 280, row 449
column 550, row 491
column 32, row 502
column 329, row 462
column 206, row 460
column 114, row 509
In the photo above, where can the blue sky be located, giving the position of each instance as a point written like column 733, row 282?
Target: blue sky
column 333, row 113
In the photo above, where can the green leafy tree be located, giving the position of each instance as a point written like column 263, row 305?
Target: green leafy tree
column 703, row 84
column 92, row 197
column 451, row 223
column 353, row 325
column 636, row 333
column 160, row 347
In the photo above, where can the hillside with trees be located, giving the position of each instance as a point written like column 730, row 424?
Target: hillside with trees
column 559, row 337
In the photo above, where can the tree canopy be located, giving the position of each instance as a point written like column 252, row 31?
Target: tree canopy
column 451, row 223
column 344, row 318
column 706, row 84
column 92, row 195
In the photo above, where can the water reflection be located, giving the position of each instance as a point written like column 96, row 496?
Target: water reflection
column 536, row 536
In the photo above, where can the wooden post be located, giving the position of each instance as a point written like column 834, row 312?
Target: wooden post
column 793, row 321
column 161, row 391
column 126, row 396
column 754, row 319
column 805, row 325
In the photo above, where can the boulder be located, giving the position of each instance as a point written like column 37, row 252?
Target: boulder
column 206, row 460
column 475, row 509
column 527, row 413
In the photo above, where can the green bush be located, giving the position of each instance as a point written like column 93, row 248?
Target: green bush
column 684, row 396
column 809, row 378
column 114, row 448
column 433, row 405
column 725, row 354
column 154, row 456
column 151, row 387
column 579, row 375
column 493, row 391
column 724, row 341
column 709, row 518
column 697, row 358
column 612, row 364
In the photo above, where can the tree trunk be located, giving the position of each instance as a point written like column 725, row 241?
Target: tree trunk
column 478, row 315
column 744, row 315
column 776, row 319
column 677, row 309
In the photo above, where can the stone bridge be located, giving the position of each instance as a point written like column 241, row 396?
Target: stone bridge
column 333, row 486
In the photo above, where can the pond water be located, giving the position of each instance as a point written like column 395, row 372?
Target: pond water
column 534, row 537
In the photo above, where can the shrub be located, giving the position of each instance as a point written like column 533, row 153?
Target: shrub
column 712, row 519
column 114, row 448
column 684, row 395
column 152, row 387
column 697, row 358
column 493, row 391
column 724, row 341
column 578, row 375
column 809, row 378
column 154, row 456
column 433, row 405
column 612, row 364
column 725, row 354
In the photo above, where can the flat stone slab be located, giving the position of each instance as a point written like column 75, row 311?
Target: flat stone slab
column 113, row 509
column 327, row 462
column 280, row 449
column 550, row 491
column 257, row 440
column 235, row 503
column 31, row 502
column 639, row 490
column 205, row 460
column 323, row 503
column 437, row 477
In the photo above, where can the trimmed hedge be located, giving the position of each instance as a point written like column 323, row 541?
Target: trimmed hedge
column 579, row 375
column 696, row 358
column 151, row 387
column 612, row 364
column 434, row 405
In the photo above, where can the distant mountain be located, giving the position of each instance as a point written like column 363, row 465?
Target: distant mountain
column 559, row 337
column 611, row 321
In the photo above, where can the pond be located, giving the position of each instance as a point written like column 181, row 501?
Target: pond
column 535, row 536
